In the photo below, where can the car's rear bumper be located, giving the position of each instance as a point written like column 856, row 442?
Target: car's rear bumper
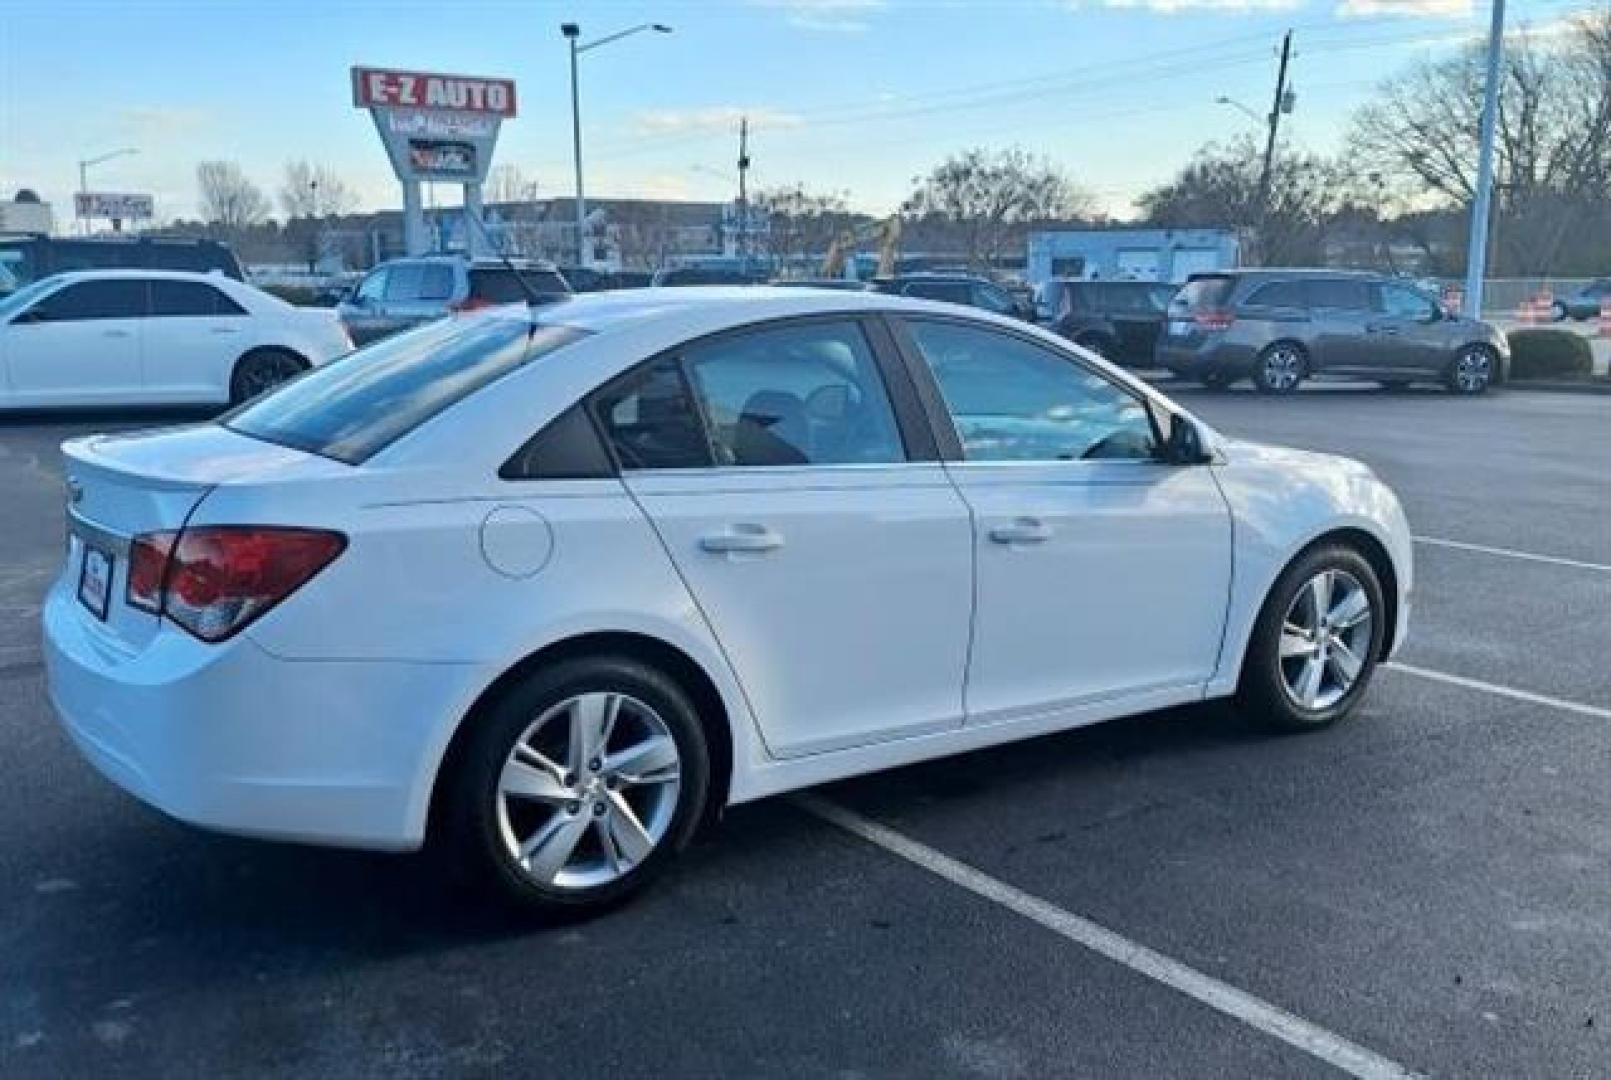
column 1209, row 358
column 231, row 738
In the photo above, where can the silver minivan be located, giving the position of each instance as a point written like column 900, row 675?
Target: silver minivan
column 407, row 292
column 1280, row 327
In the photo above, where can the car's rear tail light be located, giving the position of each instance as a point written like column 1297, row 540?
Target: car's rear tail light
column 215, row 579
column 148, row 564
column 471, row 303
column 1215, row 319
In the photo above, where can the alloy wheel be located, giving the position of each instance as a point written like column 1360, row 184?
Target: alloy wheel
column 1283, row 367
column 1472, row 371
column 588, row 791
column 1325, row 640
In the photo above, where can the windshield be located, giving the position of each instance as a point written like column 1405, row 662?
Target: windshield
column 353, row 407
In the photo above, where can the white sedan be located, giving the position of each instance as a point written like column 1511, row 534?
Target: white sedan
column 152, row 337
column 553, row 587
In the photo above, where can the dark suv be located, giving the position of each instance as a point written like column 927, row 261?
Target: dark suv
column 979, row 292
column 1118, row 320
column 406, row 292
column 29, row 258
column 1279, row 327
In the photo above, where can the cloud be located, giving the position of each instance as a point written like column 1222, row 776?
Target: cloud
column 715, row 118
column 1417, row 9
column 830, row 16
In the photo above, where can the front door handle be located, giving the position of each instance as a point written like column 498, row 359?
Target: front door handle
column 1024, row 530
column 115, row 333
column 226, row 329
column 1382, row 328
column 756, row 539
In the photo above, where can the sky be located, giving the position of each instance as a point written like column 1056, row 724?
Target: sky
column 852, row 96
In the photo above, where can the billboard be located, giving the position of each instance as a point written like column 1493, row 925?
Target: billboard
column 435, row 126
column 114, row 205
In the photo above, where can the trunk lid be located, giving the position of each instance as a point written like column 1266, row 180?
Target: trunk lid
column 120, row 486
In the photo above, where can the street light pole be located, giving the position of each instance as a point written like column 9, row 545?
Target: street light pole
column 83, row 177
column 573, row 32
column 1477, row 246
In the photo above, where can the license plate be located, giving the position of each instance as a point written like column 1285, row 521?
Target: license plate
column 95, row 581
column 1178, row 328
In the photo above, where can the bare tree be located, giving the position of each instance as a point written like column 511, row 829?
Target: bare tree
column 988, row 200
column 310, row 195
column 508, row 184
column 1220, row 187
column 801, row 224
column 1553, row 136
column 229, row 199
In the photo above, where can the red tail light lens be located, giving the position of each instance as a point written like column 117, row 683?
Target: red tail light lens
column 471, row 303
column 1215, row 320
column 148, row 563
column 216, row 579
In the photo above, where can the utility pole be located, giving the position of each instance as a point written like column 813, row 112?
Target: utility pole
column 1477, row 246
column 743, row 190
column 572, row 32
column 1276, row 107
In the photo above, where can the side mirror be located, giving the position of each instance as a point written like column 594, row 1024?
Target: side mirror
column 1183, row 444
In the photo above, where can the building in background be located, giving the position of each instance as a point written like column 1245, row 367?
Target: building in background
column 1128, row 254
column 26, row 213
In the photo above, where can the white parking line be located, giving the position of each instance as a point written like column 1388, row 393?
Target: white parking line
column 1498, row 690
column 1512, row 553
column 1238, row 1004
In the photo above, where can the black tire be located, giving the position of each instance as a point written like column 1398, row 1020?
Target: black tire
column 1280, row 368
column 260, row 371
column 473, row 829
column 1262, row 693
column 1473, row 370
column 1218, row 381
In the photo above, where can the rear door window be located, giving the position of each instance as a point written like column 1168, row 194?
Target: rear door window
column 352, row 408
column 1287, row 294
column 1340, row 294
column 649, row 418
column 436, row 282
column 189, row 299
column 404, row 283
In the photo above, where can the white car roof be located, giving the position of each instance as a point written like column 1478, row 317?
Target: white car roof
column 689, row 310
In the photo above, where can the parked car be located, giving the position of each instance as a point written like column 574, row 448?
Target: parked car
column 1584, row 303
column 1280, row 327
column 147, row 337
column 1118, row 320
column 957, row 288
column 552, row 586
column 29, row 258
column 705, row 275
column 837, row 283
column 407, row 292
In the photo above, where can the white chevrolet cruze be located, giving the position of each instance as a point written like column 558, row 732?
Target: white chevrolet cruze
column 550, row 588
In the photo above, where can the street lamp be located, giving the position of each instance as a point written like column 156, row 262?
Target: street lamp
column 572, row 33
column 84, row 168
column 1233, row 103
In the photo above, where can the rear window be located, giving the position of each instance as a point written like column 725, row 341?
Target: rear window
column 500, row 285
column 1204, row 293
column 354, row 407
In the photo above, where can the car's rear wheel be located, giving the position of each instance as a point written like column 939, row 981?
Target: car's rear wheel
column 1316, row 643
column 1472, row 371
column 579, row 785
column 260, row 371
column 1279, row 368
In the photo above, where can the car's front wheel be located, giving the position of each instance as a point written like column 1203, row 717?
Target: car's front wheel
column 1472, row 371
column 579, row 785
column 1316, row 643
column 1279, row 369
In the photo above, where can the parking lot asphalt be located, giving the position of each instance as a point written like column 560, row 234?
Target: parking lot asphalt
column 1428, row 881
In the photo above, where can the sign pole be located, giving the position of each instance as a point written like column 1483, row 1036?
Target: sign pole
column 1477, row 246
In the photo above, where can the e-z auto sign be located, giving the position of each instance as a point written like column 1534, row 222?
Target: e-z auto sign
column 382, row 88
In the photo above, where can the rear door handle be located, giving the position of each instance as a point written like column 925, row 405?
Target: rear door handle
column 226, row 329
column 1382, row 328
column 756, row 539
column 116, row 333
column 1023, row 530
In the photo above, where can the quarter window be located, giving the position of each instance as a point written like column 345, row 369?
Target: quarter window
column 1013, row 400
column 809, row 394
